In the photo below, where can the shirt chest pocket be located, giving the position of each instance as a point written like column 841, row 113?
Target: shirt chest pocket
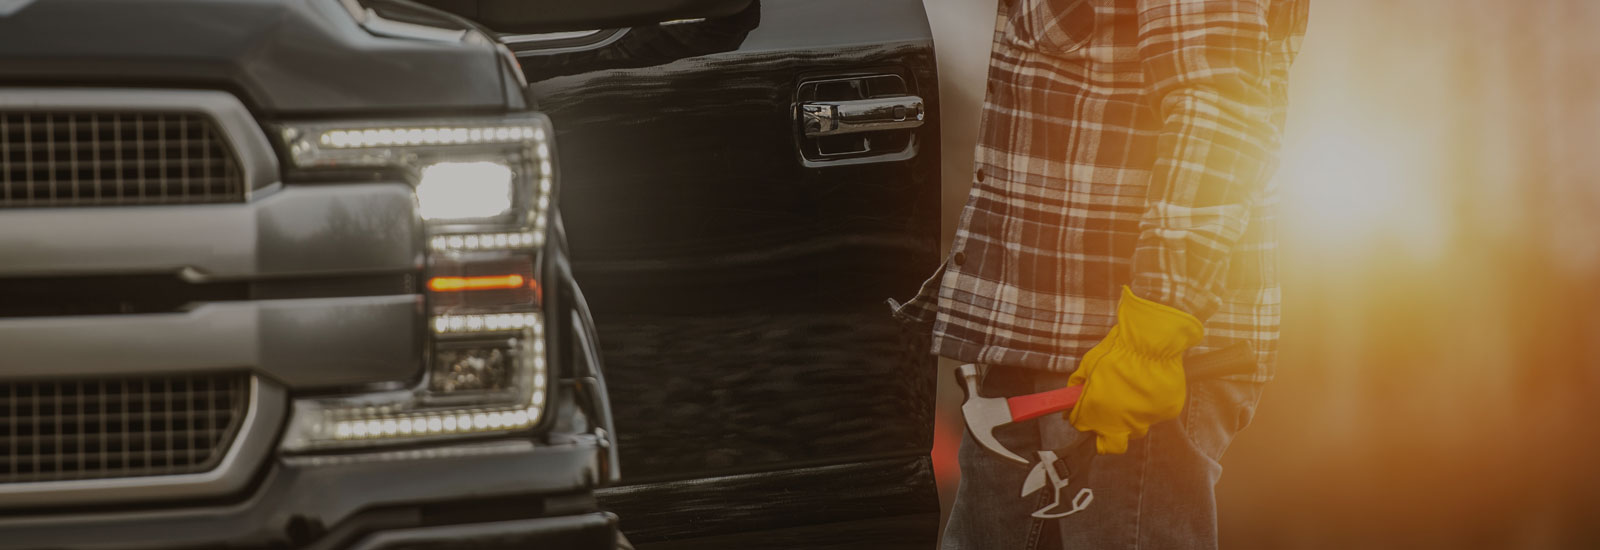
column 1051, row 26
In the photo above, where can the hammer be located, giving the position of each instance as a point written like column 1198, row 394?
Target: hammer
column 984, row 414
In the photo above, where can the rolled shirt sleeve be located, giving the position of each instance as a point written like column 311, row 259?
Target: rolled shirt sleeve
column 1206, row 64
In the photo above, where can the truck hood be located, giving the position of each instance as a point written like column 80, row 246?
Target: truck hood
column 283, row 57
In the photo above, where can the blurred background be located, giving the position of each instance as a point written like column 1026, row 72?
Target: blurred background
column 1439, row 382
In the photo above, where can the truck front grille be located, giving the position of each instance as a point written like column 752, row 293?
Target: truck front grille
column 105, row 158
column 53, row 430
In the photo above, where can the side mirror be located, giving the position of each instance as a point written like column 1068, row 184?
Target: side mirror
column 536, row 16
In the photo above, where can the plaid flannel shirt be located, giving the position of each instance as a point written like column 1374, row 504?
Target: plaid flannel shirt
column 1122, row 142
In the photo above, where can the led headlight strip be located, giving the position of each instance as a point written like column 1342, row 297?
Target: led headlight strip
column 414, row 142
column 400, row 417
column 493, row 322
column 486, row 241
column 460, row 135
column 370, row 425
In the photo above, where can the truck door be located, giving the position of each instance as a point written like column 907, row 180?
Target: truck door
column 741, row 194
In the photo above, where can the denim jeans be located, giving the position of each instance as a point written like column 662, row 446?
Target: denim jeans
column 1159, row 495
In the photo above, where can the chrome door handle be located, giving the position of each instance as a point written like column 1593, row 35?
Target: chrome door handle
column 831, row 118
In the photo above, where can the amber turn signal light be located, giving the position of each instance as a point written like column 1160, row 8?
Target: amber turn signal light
column 491, row 282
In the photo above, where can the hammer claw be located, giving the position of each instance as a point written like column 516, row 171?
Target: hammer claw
column 984, row 414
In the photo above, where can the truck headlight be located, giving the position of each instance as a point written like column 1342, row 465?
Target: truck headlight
column 464, row 190
column 484, row 189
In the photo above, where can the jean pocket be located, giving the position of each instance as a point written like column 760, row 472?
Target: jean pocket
column 1051, row 26
column 1216, row 411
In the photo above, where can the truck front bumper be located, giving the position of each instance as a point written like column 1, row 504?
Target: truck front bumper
column 488, row 495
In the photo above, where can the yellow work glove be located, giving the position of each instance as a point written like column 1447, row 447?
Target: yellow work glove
column 1133, row 378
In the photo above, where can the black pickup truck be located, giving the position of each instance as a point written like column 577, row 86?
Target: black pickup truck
column 484, row 274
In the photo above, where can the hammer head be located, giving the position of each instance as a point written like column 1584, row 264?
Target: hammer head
column 984, row 414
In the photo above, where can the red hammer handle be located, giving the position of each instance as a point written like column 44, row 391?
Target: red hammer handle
column 1239, row 358
column 1035, row 405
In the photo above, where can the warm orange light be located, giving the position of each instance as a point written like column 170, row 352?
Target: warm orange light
column 491, row 282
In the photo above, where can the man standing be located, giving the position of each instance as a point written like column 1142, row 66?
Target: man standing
column 1120, row 219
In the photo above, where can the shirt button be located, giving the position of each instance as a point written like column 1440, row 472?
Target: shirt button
column 980, row 174
column 960, row 258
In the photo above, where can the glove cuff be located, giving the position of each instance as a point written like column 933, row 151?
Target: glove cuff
column 1156, row 330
